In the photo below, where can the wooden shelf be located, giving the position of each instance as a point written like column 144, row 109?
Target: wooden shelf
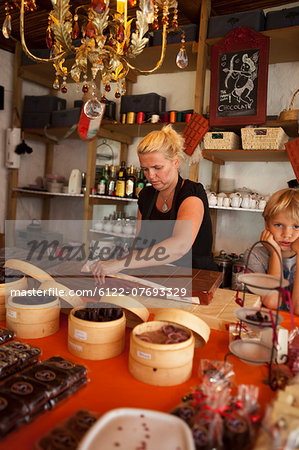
column 33, row 193
column 59, row 133
column 110, row 233
column 106, row 199
column 220, row 156
column 230, row 208
column 44, row 73
column 139, row 130
column 284, row 44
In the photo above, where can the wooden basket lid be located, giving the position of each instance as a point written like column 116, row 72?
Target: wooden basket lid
column 63, row 293
column 178, row 316
column 47, row 282
column 28, row 269
column 135, row 311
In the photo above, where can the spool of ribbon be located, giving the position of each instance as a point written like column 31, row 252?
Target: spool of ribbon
column 131, row 117
column 140, row 117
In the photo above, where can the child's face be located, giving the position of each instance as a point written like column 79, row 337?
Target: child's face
column 285, row 231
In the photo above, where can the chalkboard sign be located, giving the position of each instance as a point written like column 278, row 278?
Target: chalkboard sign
column 239, row 71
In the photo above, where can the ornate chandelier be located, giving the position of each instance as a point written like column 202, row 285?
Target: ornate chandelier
column 103, row 40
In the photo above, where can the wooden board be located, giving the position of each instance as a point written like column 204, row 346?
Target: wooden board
column 198, row 283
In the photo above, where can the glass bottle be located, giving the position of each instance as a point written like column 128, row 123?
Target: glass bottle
column 102, row 186
column 130, row 183
column 121, row 181
column 140, row 183
column 112, row 181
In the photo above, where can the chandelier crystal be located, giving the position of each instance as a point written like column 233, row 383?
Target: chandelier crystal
column 103, row 40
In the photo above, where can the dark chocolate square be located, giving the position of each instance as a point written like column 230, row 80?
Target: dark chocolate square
column 12, row 413
column 30, row 392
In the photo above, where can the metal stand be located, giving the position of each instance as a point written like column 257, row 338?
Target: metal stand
column 271, row 381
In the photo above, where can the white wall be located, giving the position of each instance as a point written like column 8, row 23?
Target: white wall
column 235, row 230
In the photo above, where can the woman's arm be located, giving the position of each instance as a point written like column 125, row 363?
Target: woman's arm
column 188, row 223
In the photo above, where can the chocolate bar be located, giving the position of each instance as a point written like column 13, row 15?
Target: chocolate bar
column 30, row 392
column 104, row 312
column 74, row 371
column 12, row 412
column 68, row 434
column 54, row 380
column 22, row 350
column 5, row 335
column 8, row 361
column 65, row 394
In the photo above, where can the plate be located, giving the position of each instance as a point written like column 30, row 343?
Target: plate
column 252, row 352
column 261, row 283
column 130, row 428
column 241, row 313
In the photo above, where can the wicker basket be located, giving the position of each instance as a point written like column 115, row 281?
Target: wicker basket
column 263, row 138
column 290, row 114
column 222, row 140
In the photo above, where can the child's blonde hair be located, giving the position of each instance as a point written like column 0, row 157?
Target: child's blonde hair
column 285, row 200
column 166, row 141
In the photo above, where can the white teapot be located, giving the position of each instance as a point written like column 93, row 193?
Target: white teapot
column 212, row 199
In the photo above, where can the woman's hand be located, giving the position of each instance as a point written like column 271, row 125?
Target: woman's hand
column 102, row 268
column 295, row 246
column 267, row 236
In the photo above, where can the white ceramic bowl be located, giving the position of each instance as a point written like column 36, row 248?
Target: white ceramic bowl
column 127, row 428
column 261, row 283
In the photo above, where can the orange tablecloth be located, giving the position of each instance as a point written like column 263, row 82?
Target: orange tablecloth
column 111, row 385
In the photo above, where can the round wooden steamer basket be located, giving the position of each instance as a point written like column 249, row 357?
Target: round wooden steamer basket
column 33, row 321
column 5, row 289
column 160, row 364
column 95, row 340
column 185, row 318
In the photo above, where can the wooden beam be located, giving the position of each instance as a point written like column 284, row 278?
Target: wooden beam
column 49, row 158
column 201, row 67
column 104, row 133
column 11, row 200
column 90, row 177
column 17, row 89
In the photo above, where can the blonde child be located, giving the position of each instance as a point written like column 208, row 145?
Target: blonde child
column 281, row 216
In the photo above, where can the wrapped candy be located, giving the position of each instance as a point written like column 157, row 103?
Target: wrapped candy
column 219, row 373
column 294, row 351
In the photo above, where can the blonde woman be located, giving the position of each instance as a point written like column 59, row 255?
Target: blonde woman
column 186, row 240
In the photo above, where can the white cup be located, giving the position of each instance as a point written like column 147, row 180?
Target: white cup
column 212, row 199
column 262, row 204
column 155, row 118
column 253, row 203
column 226, row 202
column 246, row 201
column 236, row 202
column 219, row 201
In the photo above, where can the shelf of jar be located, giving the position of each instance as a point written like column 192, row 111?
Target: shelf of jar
column 139, row 129
column 44, row 74
column 220, row 156
column 284, row 44
column 108, row 198
column 32, row 193
column 111, row 233
column 231, row 208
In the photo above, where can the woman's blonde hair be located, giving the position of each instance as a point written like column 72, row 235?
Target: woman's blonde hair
column 286, row 201
column 166, row 141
